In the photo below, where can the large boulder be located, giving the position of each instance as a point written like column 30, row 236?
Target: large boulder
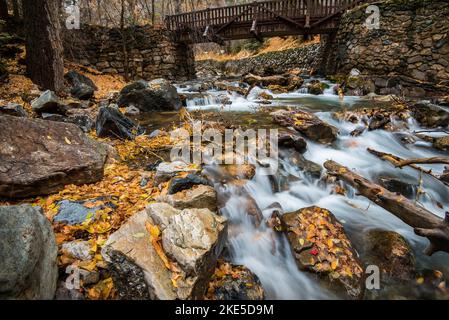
column 156, row 95
column 319, row 244
column 39, row 157
column 112, row 123
column 192, row 240
column 308, row 124
column 82, row 87
column 28, row 254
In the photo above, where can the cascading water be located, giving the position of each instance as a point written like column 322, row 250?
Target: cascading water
column 268, row 254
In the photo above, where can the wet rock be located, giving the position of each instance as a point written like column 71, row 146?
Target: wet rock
column 308, row 124
column 358, row 85
column 291, row 141
column 13, row 109
column 358, row 131
column 275, row 220
column 239, row 171
column 40, row 157
column 48, row 102
column 233, row 282
column 430, row 116
column 283, row 83
column 77, row 249
column 112, row 123
column 391, row 253
column 320, row 245
column 76, row 212
column 156, row 95
column 445, row 176
column 200, row 196
column 309, row 167
column 167, row 170
column 395, row 185
column 182, row 183
column 191, row 238
column 441, row 143
column 82, row 87
column 379, row 121
column 225, row 86
column 252, row 210
column 316, row 87
column 28, row 254
column 265, row 96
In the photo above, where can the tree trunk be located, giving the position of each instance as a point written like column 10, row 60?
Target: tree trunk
column 153, row 12
column 424, row 222
column 16, row 9
column 45, row 62
column 3, row 10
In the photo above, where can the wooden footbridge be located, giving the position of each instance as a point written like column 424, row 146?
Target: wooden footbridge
column 260, row 19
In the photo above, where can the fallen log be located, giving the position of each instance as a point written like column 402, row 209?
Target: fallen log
column 424, row 222
column 433, row 160
column 397, row 161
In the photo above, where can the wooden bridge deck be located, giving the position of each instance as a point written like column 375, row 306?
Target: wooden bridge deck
column 260, row 19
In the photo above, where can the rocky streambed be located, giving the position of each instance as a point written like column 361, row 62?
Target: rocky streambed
column 132, row 224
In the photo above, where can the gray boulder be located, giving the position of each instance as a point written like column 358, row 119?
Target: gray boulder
column 83, row 87
column 156, row 95
column 48, row 102
column 28, row 254
column 112, row 123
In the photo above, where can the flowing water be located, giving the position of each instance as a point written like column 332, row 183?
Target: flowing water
column 267, row 254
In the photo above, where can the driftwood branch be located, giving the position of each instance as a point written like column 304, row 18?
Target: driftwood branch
column 399, row 163
column 424, row 222
column 434, row 160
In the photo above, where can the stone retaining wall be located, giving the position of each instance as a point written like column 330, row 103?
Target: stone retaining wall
column 278, row 62
column 150, row 53
column 411, row 48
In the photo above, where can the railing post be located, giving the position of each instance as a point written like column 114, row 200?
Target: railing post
column 307, row 25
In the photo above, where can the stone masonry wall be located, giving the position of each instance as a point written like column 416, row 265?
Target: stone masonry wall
column 150, row 53
column 411, row 48
column 307, row 58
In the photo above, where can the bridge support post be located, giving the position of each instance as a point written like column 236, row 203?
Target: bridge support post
column 328, row 47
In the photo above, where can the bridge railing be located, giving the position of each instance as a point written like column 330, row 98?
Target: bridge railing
column 262, row 11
